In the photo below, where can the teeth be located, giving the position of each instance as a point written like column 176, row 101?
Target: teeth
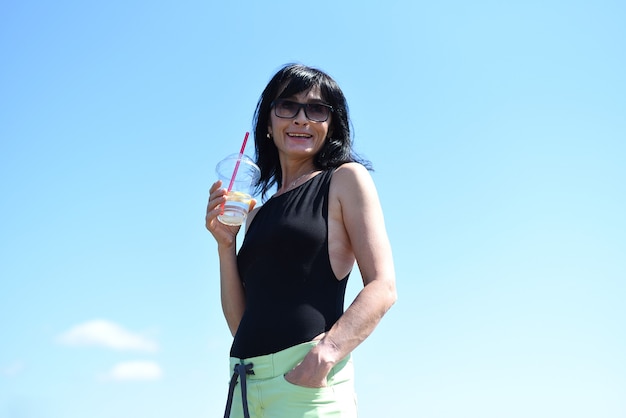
column 300, row 135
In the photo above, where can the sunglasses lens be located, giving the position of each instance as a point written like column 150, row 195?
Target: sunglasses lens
column 313, row 111
column 317, row 112
column 286, row 109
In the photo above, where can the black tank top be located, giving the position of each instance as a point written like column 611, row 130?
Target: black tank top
column 292, row 294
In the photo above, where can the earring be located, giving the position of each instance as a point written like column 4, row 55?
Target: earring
column 269, row 136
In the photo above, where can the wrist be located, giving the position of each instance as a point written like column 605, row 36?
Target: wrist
column 227, row 249
column 326, row 353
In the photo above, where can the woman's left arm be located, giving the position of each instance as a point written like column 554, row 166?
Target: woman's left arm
column 362, row 217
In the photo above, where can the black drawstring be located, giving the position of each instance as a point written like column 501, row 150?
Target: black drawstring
column 240, row 370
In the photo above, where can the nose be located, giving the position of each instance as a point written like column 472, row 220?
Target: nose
column 300, row 117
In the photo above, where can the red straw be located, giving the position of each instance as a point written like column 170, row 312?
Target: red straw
column 243, row 146
column 232, row 179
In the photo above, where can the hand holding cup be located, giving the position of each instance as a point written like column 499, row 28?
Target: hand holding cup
column 241, row 174
column 224, row 234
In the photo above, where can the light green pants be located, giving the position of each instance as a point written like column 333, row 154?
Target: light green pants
column 269, row 395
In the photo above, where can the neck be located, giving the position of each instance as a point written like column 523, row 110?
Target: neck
column 295, row 176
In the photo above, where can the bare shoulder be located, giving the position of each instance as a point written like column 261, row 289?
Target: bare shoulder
column 351, row 174
column 353, row 193
column 352, row 180
column 353, row 169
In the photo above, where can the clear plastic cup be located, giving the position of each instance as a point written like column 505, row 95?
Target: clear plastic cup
column 246, row 174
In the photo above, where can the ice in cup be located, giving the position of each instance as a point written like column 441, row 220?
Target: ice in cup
column 239, row 174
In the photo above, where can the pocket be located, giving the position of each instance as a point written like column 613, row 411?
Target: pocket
column 305, row 391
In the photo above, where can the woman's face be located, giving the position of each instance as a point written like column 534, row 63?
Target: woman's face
column 299, row 137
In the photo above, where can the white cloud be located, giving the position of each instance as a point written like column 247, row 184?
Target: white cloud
column 106, row 334
column 135, row 370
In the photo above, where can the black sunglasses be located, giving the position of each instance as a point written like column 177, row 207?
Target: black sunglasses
column 288, row 109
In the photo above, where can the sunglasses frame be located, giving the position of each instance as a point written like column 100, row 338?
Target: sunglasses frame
column 300, row 106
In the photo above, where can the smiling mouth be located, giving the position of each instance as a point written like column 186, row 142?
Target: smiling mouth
column 295, row 135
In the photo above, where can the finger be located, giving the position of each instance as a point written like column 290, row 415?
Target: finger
column 217, row 197
column 214, row 209
column 216, row 200
column 215, row 186
column 211, row 221
column 217, row 194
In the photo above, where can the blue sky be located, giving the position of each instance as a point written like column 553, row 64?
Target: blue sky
column 497, row 134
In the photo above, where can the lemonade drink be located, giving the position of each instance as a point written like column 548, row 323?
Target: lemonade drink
column 239, row 175
column 236, row 208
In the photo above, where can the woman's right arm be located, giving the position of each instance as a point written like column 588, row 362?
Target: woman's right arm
column 231, row 290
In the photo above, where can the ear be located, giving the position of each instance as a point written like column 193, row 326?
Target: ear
column 269, row 130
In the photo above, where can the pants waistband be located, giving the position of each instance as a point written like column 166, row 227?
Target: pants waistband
column 279, row 363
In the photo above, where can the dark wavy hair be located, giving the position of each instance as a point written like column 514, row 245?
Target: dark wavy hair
column 290, row 80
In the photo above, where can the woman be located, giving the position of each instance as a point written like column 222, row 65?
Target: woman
column 283, row 294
